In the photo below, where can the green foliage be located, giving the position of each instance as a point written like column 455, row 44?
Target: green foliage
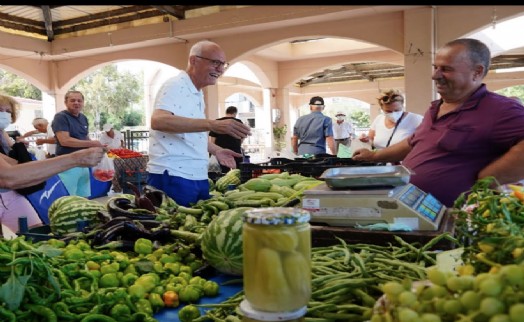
column 13, row 85
column 279, row 135
column 113, row 94
column 360, row 118
column 132, row 118
column 517, row 91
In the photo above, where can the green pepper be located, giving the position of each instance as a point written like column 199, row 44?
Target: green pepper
column 43, row 311
column 173, row 267
column 109, row 280
column 187, row 269
column 97, row 318
column 196, row 264
column 211, row 288
column 197, row 280
column 130, row 269
column 143, row 246
column 120, row 310
column 148, row 280
column 156, row 301
column 6, row 315
column 110, row 268
column 128, row 279
column 136, row 291
column 188, row 313
column 185, row 275
column 158, row 267
column 57, row 243
column 164, row 259
column 189, row 294
column 144, row 306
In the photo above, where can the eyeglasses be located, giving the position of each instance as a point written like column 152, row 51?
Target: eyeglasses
column 389, row 99
column 216, row 63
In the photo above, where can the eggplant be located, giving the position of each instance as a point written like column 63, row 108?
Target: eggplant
column 157, row 196
column 140, row 200
column 120, row 206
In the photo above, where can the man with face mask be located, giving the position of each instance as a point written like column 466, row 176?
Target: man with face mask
column 343, row 131
column 393, row 124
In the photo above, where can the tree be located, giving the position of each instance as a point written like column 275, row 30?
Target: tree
column 111, row 94
column 360, row 119
column 517, row 91
column 13, row 85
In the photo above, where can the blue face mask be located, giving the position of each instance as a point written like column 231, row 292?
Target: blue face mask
column 5, row 120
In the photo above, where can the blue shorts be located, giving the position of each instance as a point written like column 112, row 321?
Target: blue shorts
column 185, row 192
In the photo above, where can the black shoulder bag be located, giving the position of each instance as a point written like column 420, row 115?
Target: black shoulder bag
column 396, row 125
column 19, row 152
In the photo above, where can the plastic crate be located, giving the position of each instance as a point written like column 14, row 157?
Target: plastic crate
column 37, row 234
column 136, row 177
column 253, row 170
column 313, row 167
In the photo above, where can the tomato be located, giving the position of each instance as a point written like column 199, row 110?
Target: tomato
column 103, row 175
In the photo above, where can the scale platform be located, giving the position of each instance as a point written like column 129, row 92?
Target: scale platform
column 405, row 205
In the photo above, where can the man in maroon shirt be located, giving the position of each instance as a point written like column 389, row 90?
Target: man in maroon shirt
column 468, row 134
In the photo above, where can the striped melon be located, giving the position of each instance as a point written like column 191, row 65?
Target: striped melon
column 221, row 242
column 65, row 212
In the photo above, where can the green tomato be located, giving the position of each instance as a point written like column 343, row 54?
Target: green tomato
column 211, row 288
column 188, row 313
column 189, row 294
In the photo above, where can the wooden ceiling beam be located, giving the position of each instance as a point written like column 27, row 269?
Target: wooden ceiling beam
column 48, row 23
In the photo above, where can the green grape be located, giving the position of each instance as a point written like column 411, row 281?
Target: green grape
column 470, row 300
column 436, row 276
column 439, row 291
column 513, row 274
column 439, row 304
column 407, row 315
column 479, row 278
column 430, row 317
column 454, row 283
column 500, row 318
column 516, row 312
column 392, row 289
column 427, row 293
column 376, row 318
column 407, row 298
column 452, row 307
column 491, row 286
column 490, row 306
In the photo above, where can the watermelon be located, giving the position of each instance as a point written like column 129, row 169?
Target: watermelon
column 221, row 242
column 65, row 212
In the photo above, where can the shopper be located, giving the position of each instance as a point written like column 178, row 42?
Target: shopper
column 393, row 124
column 343, row 131
column 467, row 134
column 312, row 131
column 179, row 147
column 71, row 129
column 227, row 141
column 111, row 137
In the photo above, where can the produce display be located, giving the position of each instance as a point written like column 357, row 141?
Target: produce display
column 142, row 253
column 124, row 153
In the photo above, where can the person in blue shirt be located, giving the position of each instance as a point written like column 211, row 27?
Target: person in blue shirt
column 312, row 131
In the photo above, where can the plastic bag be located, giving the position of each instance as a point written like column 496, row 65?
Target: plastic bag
column 104, row 170
column 213, row 165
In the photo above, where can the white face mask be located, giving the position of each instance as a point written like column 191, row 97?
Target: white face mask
column 5, row 120
column 394, row 116
column 341, row 118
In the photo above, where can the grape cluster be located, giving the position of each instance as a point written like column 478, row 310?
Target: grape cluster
column 495, row 296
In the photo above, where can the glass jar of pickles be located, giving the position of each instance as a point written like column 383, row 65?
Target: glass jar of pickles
column 277, row 258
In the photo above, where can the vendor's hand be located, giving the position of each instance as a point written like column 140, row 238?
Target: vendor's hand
column 231, row 127
column 39, row 141
column 227, row 157
column 363, row 155
column 89, row 157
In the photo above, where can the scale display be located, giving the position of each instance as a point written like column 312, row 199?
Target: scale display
column 405, row 205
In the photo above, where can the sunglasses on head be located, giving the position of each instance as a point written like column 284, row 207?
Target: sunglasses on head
column 388, row 99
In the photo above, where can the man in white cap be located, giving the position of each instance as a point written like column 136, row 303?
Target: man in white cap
column 343, row 131
column 313, row 131
column 111, row 137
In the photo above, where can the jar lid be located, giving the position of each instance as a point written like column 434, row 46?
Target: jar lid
column 247, row 310
column 276, row 216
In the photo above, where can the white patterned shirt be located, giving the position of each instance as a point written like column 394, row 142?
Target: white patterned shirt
column 181, row 154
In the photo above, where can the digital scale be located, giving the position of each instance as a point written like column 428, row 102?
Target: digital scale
column 370, row 195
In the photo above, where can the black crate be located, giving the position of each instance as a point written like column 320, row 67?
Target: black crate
column 313, row 167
